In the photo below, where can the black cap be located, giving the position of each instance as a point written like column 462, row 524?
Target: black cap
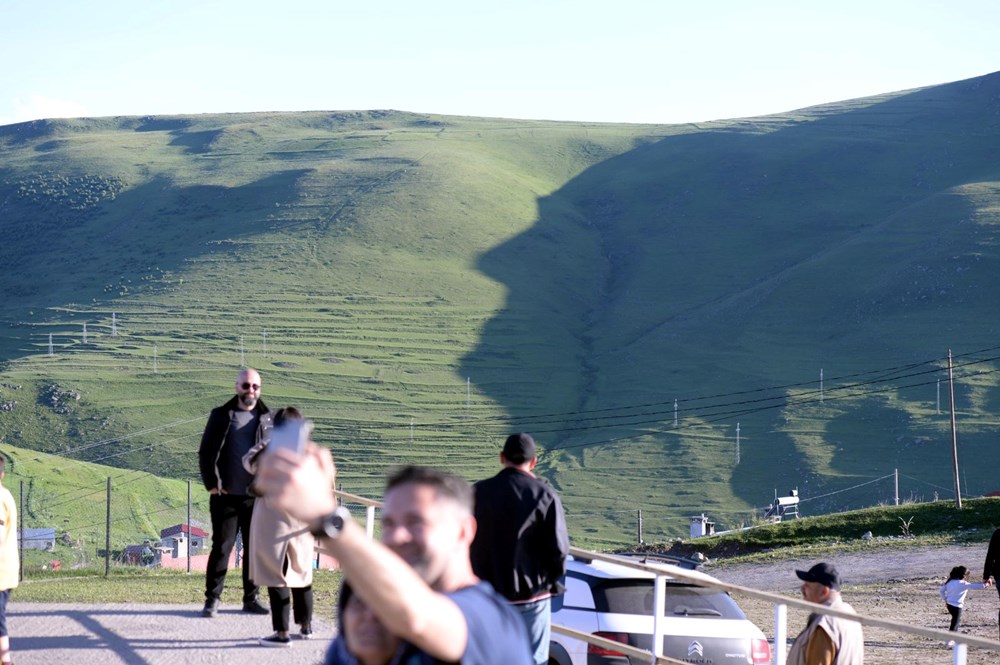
column 822, row 573
column 519, row 448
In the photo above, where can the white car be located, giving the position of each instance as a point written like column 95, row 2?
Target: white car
column 700, row 624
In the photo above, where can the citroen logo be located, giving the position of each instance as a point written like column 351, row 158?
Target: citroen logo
column 695, row 649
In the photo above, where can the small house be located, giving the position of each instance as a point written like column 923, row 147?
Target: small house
column 38, row 539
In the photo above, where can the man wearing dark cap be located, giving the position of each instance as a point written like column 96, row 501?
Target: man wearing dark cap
column 826, row 640
column 521, row 542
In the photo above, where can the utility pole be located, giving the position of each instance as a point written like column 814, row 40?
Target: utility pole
column 737, row 443
column 675, row 414
column 954, row 433
column 114, row 325
column 821, row 385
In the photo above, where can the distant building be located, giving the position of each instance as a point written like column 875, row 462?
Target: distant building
column 176, row 537
column 784, row 506
column 38, row 539
column 702, row 526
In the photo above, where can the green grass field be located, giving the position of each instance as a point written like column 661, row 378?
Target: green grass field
column 422, row 285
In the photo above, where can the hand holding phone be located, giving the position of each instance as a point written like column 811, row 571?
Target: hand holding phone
column 291, row 435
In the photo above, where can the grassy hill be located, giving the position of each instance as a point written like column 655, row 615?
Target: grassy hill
column 82, row 500
column 421, row 285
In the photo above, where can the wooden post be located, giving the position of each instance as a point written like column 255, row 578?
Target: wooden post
column 954, row 434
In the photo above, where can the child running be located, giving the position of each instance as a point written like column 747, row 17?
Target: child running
column 953, row 593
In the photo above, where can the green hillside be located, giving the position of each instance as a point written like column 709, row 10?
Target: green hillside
column 421, row 285
column 90, row 506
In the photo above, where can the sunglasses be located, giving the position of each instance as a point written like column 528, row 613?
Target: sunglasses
column 248, row 386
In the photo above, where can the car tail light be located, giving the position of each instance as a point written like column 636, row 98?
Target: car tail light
column 602, row 651
column 760, row 651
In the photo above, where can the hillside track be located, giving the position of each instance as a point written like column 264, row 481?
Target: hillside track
column 896, row 584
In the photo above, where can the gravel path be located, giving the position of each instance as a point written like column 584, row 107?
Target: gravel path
column 897, row 584
column 129, row 634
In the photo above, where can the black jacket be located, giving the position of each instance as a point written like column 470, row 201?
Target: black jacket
column 992, row 565
column 521, row 541
column 214, row 438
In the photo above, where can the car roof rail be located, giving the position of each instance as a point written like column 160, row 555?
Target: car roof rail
column 690, row 563
column 582, row 559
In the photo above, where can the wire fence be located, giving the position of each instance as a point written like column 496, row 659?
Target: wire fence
column 100, row 526
column 119, row 522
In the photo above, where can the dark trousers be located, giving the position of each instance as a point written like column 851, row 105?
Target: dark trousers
column 301, row 599
column 956, row 616
column 230, row 513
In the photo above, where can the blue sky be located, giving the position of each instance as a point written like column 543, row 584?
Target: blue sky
column 626, row 61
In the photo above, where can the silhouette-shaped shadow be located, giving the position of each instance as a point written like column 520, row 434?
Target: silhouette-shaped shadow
column 724, row 259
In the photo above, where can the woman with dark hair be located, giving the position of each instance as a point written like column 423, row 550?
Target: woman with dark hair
column 281, row 555
column 362, row 639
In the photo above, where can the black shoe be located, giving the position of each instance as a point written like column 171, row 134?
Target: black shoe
column 254, row 607
column 306, row 633
column 211, row 608
column 275, row 640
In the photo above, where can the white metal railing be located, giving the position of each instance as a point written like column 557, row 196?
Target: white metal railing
column 662, row 571
column 962, row 641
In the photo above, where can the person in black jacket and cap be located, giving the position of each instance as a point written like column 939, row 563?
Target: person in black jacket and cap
column 991, row 568
column 232, row 430
column 521, row 543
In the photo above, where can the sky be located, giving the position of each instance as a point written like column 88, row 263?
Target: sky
column 654, row 61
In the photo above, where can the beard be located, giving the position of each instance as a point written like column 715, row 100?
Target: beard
column 248, row 400
column 421, row 563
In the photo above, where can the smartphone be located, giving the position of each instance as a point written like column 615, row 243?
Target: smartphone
column 291, row 435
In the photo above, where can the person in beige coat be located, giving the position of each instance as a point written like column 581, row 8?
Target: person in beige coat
column 282, row 554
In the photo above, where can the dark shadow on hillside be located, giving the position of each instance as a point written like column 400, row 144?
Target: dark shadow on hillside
column 148, row 231
column 740, row 256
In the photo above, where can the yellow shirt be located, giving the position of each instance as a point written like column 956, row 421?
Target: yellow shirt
column 9, row 565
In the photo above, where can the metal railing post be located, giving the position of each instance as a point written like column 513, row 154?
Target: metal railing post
column 659, row 605
column 189, row 530
column 780, row 633
column 107, row 535
column 20, row 541
column 959, row 653
column 370, row 521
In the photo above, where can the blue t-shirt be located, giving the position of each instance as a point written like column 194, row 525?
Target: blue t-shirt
column 497, row 635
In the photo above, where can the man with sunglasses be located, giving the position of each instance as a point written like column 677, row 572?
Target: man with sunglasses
column 232, row 430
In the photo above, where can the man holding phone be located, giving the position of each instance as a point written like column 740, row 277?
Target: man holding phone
column 232, row 430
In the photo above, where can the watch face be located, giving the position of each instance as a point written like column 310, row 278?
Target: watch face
column 331, row 525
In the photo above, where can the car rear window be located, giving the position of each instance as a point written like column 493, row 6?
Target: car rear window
column 635, row 596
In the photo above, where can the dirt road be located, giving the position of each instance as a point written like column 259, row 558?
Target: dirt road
column 901, row 585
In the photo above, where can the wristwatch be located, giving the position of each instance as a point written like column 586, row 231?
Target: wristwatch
column 331, row 525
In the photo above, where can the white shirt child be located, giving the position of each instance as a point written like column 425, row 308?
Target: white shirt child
column 953, row 591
